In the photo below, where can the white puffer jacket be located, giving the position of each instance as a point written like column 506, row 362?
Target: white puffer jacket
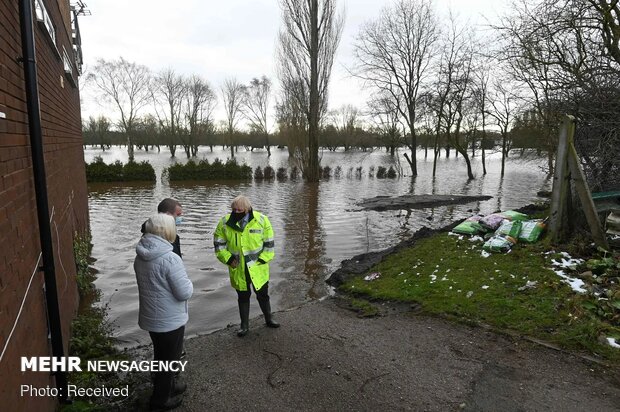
column 163, row 285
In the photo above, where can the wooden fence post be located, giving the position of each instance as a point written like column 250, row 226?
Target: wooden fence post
column 567, row 168
column 558, row 217
column 598, row 234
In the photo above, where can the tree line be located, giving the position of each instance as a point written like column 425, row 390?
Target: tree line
column 436, row 82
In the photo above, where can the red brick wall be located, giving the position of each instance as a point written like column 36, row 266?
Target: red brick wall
column 67, row 195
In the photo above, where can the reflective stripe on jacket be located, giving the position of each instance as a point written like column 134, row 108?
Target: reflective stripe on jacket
column 251, row 245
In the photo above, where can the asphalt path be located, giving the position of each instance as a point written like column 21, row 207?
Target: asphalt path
column 326, row 358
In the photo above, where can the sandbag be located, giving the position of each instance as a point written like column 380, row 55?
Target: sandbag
column 531, row 230
column 513, row 215
column 499, row 243
column 468, row 228
column 509, row 228
column 492, row 221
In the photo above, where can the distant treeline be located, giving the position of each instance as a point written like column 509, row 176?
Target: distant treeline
column 330, row 139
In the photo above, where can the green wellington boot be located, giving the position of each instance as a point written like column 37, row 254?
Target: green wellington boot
column 244, row 314
column 265, row 306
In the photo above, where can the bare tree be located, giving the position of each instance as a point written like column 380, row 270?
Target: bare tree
column 394, row 54
column 127, row 86
column 456, row 81
column 292, row 123
column 257, row 96
column 481, row 102
column 200, row 101
column 148, row 132
column 386, row 121
column 99, row 129
column 504, row 100
column 346, row 121
column 307, row 45
column 232, row 95
column 168, row 91
column 608, row 16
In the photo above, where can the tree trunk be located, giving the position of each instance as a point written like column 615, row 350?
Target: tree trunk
column 129, row 147
column 503, row 154
column 312, row 172
column 414, row 145
column 435, row 154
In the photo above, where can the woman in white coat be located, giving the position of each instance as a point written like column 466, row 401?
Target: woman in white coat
column 164, row 289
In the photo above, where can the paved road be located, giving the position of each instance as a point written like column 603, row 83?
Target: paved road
column 325, row 358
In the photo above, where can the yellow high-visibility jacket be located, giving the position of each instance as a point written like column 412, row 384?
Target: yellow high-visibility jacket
column 252, row 245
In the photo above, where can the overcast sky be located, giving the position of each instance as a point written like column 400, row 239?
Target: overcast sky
column 217, row 39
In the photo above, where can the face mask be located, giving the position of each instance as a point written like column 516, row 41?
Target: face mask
column 178, row 220
column 237, row 216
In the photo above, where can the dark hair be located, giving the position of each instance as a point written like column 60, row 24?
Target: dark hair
column 168, row 205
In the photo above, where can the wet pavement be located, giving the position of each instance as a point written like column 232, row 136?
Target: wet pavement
column 326, row 358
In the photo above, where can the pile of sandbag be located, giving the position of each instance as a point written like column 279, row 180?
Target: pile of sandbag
column 502, row 230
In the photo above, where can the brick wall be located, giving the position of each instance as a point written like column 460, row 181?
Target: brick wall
column 67, row 195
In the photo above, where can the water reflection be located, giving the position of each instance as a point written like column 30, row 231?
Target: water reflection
column 316, row 226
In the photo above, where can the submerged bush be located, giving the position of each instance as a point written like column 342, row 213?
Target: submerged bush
column 269, row 172
column 258, row 173
column 381, row 172
column 142, row 171
column 338, row 172
column 203, row 170
column 281, row 174
column 391, row 173
column 99, row 171
column 325, row 172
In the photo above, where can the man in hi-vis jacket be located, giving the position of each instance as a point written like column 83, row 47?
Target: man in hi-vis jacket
column 244, row 241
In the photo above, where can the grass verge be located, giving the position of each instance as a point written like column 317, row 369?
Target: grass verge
column 518, row 292
column 91, row 339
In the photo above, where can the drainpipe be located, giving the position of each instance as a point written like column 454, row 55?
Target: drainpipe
column 40, row 186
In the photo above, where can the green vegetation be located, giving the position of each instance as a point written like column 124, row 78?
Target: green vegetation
column 203, row 170
column 517, row 292
column 81, row 250
column 91, row 334
column 98, row 171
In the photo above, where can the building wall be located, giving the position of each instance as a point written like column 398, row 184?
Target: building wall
column 67, row 195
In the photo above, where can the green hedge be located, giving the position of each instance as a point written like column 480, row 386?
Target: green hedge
column 203, row 170
column 98, row 171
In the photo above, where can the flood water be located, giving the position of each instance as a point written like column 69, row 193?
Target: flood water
column 316, row 225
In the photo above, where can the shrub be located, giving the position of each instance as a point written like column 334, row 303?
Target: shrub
column 281, row 174
column 98, row 171
column 295, row 173
column 391, row 173
column 258, row 173
column 338, row 172
column 325, row 172
column 142, row 171
column 381, row 172
column 203, row 170
column 269, row 172
column 358, row 172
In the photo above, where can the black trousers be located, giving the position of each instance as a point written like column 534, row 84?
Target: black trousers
column 262, row 294
column 167, row 346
